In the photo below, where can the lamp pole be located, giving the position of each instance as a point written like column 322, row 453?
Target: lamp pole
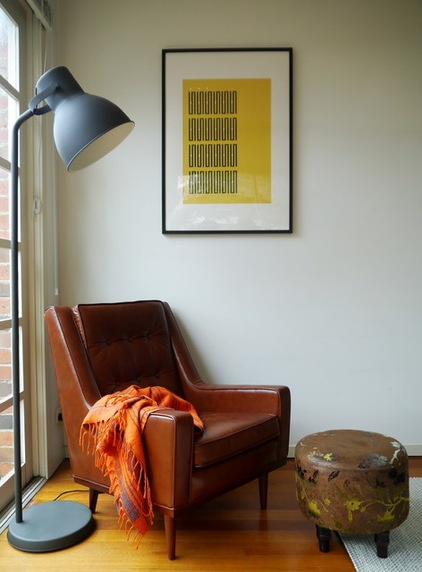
column 14, row 293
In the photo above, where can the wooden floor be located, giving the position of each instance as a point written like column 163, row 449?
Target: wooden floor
column 229, row 533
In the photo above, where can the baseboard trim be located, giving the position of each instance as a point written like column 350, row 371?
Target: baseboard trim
column 414, row 450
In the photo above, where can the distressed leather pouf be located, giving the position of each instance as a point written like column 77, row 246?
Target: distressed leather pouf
column 354, row 482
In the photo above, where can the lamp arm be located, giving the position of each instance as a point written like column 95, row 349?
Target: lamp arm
column 37, row 99
column 14, row 292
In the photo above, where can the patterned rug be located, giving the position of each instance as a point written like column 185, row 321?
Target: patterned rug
column 405, row 548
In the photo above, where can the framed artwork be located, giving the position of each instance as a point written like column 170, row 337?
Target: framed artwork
column 227, row 140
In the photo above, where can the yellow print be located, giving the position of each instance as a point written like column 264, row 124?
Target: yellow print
column 227, row 141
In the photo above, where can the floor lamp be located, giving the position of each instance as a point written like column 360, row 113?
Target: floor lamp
column 86, row 127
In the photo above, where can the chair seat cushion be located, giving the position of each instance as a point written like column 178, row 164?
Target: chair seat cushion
column 228, row 434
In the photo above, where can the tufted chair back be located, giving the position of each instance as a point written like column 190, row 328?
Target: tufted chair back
column 128, row 344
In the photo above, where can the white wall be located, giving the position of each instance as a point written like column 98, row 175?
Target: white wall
column 334, row 310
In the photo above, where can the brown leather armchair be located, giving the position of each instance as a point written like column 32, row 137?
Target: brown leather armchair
column 98, row 349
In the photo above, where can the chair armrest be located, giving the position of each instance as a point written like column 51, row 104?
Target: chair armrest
column 168, row 443
column 273, row 399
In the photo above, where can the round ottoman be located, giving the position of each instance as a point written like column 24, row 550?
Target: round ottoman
column 352, row 481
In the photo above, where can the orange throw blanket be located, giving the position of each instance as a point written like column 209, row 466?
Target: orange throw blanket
column 113, row 428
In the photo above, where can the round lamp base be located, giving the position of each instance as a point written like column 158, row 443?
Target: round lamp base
column 51, row 526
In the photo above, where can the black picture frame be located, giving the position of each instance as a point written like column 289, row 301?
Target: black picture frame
column 227, row 140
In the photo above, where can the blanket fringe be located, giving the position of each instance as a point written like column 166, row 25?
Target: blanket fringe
column 92, row 442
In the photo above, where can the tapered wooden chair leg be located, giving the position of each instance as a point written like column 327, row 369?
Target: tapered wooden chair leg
column 170, row 528
column 263, row 490
column 93, row 497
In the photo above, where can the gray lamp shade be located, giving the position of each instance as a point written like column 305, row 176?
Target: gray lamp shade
column 86, row 127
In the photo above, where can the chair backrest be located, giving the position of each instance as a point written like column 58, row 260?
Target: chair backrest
column 127, row 344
